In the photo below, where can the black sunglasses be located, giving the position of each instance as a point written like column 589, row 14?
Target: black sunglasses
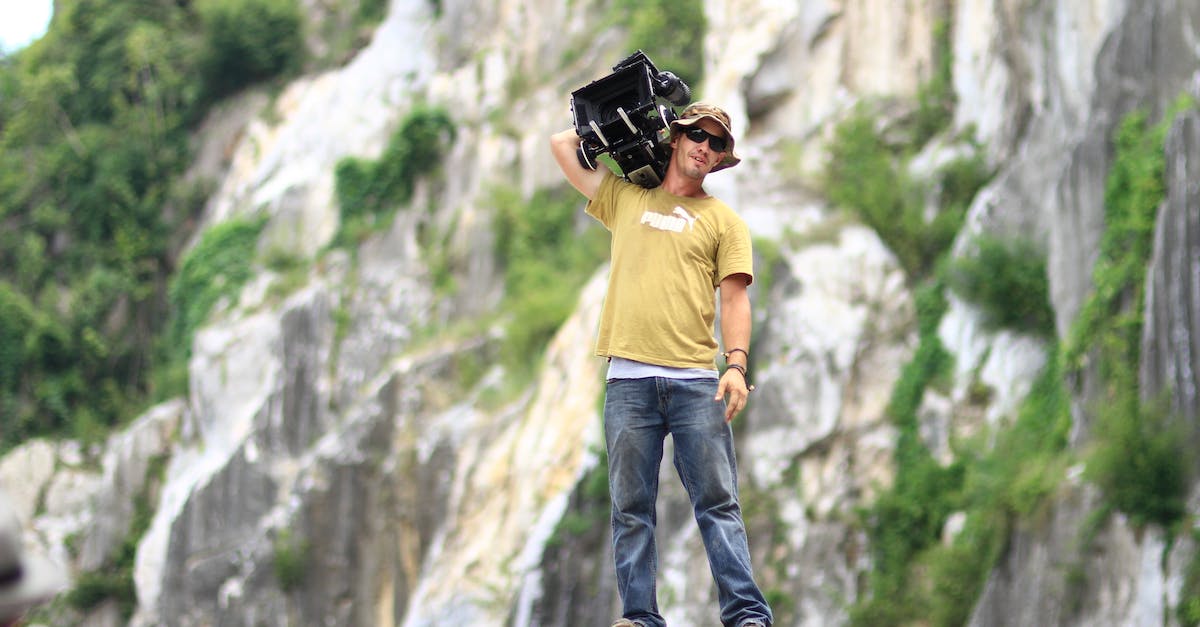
column 715, row 142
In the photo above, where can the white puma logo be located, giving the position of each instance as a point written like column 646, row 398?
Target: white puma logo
column 681, row 212
column 675, row 222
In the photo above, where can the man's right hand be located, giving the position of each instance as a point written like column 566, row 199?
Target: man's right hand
column 564, row 145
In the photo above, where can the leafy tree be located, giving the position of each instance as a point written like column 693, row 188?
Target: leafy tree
column 249, row 41
column 94, row 131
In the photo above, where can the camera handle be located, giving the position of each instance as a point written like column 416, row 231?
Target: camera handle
column 625, row 116
column 596, row 130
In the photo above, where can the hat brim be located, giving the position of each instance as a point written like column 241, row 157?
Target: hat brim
column 731, row 157
column 40, row 581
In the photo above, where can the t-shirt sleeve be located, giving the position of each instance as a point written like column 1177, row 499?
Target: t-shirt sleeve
column 602, row 206
column 735, row 253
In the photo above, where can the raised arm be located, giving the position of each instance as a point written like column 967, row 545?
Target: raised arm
column 564, row 144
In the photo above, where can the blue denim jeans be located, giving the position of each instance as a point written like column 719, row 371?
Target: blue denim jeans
column 638, row 415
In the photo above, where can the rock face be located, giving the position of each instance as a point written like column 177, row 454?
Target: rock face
column 1170, row 348
column 342, row 458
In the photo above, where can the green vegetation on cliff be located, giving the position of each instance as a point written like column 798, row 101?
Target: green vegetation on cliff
column 95, row 124
column 1136, row 459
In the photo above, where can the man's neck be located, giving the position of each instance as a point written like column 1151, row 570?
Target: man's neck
column 684, row 186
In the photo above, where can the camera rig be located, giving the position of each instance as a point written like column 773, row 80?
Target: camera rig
column 620, row 115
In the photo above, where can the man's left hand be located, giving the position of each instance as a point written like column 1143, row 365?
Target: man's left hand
column 732, row 385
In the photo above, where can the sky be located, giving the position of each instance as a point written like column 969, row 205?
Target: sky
column 23, row 21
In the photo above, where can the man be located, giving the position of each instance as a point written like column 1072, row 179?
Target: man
column 672, row 247
column 25, row 580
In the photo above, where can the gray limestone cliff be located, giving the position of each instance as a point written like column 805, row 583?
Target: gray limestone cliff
column 333, row 463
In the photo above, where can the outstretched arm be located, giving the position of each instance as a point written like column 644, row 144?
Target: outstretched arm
column 564, row 144
column 735, row 332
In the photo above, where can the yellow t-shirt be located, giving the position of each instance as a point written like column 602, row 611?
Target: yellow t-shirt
column 669, row 255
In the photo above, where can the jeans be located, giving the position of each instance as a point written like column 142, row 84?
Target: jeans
column 638, row 415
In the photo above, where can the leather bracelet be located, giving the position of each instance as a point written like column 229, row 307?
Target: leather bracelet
column 742, row 370
column 736, row 350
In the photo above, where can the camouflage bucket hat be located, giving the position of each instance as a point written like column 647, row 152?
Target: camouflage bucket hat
column 698, row 111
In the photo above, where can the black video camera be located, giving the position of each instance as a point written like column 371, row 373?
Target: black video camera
column 620, row 115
